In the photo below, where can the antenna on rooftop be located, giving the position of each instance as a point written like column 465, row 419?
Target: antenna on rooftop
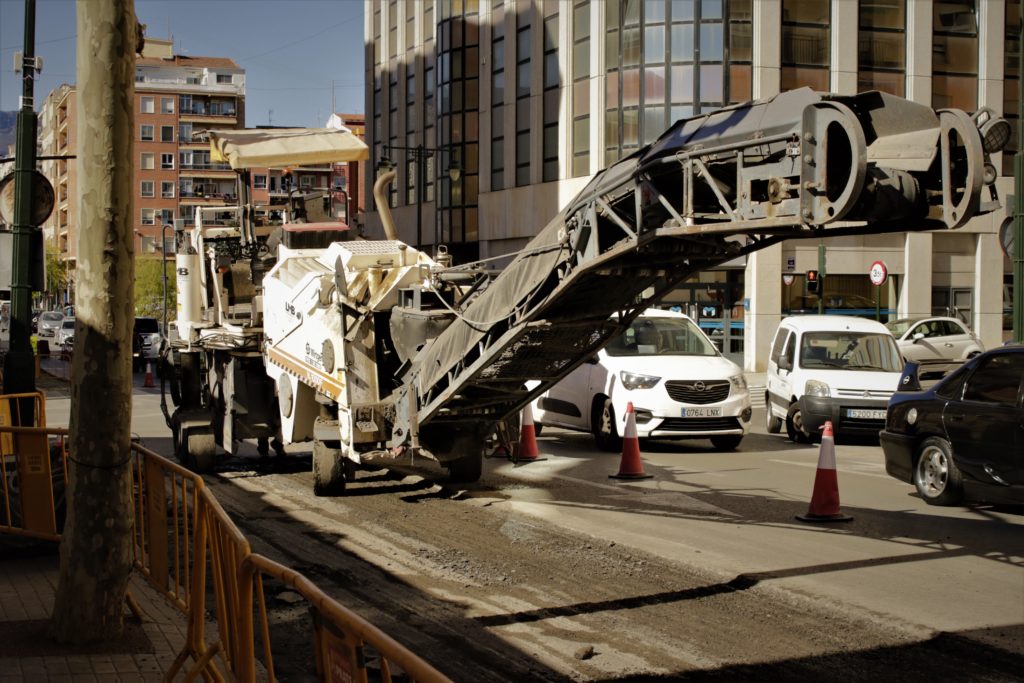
column 270, row 117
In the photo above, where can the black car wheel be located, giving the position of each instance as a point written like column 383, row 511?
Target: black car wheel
column 772, row 424
column 795, row 425
column 726, row 443
column 936, row 476
column 606, row 434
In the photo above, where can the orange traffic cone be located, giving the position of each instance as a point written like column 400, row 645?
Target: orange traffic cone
column 825, row 498
column 149, row 376
column 631, row 466
column 527, row 437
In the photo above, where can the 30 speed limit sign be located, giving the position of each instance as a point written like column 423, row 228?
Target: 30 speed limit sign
column 878, row 273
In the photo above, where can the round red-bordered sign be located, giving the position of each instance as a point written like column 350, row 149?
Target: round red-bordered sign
column 878, row 273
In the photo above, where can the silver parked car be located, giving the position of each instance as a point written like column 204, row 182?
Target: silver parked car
column 934, row 338
column 49, row 323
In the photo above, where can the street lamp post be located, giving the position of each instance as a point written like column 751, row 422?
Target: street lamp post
column 420, row 154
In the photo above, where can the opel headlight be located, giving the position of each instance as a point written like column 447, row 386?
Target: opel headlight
column 817, row 388
column 632, row 380
column 738, row 382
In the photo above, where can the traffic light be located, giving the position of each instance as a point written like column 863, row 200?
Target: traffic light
column 813, row 282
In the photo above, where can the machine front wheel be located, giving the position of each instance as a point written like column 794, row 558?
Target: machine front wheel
column 329, row 470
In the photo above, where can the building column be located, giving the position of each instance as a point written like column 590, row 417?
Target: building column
column 919, row 51
column 988, row 289
column 915, row 295
column 763, row 276
column 843, row 74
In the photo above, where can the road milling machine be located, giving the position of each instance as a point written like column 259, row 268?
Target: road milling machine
column 376, row 351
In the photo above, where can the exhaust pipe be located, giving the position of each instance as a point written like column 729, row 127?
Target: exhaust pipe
column 380, row 196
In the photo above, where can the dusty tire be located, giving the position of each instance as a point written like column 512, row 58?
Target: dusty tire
column 795, row 425
column 727, row 442
column 202, row 451
column 466, row 470
column 772, row 423
column 606, row 432
column 936, row 476
column 329, row 470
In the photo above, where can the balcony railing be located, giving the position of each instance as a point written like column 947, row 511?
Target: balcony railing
column 200, row 166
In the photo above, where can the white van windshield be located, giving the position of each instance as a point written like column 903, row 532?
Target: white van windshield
column 850, row 351
column 662, row 336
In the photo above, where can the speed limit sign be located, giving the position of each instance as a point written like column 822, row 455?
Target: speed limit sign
column 878, row 273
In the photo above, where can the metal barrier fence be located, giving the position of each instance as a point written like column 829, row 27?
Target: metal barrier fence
column 182, row 540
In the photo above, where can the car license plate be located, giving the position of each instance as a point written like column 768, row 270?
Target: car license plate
column 701, row 412
column 865, row 414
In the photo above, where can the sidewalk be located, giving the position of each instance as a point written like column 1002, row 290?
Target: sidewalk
column 28, row 584
column 29, row 573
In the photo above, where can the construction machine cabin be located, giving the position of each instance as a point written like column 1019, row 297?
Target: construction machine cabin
column 374, row 350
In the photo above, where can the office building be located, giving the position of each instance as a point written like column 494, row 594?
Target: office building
column 529, row 98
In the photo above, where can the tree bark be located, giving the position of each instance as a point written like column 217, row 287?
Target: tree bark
column 95, row 551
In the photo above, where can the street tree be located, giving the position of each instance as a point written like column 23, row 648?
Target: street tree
column 149, row 287
column 56, row 273
column 95, row 550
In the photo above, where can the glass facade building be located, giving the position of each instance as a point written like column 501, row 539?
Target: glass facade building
column 530, row 98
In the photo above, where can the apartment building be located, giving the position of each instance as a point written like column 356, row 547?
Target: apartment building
column 178, row 100
column 529, row 98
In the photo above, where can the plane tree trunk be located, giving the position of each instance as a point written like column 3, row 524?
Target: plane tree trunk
column 95, row 551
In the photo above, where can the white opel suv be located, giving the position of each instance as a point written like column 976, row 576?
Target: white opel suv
column 680, row 386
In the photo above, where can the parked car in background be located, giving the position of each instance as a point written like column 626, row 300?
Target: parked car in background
column 678, row 382
column 934, row 338
column 49, row 323
column 830, row 368
column 962, row 438
column 66, row 331
column 145, row 342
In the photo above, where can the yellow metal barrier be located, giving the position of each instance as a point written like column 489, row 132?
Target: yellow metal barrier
column 33, row 472
column 182, row 538
column 342, row 639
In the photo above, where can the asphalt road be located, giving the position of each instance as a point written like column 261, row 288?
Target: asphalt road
column 900, row 572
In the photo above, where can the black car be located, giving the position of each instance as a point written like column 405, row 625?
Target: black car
column 964, row 436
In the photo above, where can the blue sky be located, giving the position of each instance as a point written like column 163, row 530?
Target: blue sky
column 291, row 50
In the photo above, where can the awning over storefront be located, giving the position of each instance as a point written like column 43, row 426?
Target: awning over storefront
column 283, row 147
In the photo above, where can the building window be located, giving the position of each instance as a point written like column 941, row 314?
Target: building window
column 259, row 182
column 881, row 46
column 166, row 161
column 224, row 78
column 805, row 44
column 166, row 133
column 185, row 133
column 147, row 189
column 955, row 54
column 580, row 90
column 498, row 101
column 147, row 161
column 185, row 104
column 167, row 216
column 166, row 105
column 552, row 81
column 306, row 182
column 146, row 133
column 149, row 216
column 167, row 189
column 523, row 145
column 1011, row 82
column 146, row 105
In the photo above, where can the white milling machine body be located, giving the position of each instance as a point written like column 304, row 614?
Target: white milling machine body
column 376, row 351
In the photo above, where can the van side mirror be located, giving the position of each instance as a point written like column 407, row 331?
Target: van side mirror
column 785, row 363
column 591, row 359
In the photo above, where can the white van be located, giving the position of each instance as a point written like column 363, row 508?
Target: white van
column 680, row 386
column 830, row 367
